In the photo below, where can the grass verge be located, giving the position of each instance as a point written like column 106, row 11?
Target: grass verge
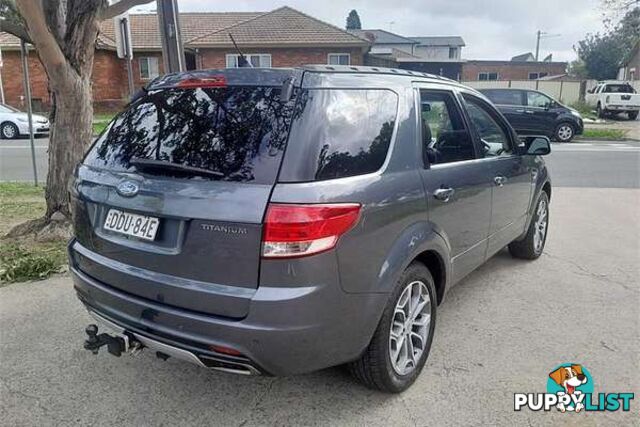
column 586, row 111
column 26, row 258
column 100, row 122
column 612, row 134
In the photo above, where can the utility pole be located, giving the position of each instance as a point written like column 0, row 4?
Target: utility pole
column 172, row 50
column 124, row 47
column 539, row 34
column 27, row 93
column 542, row 35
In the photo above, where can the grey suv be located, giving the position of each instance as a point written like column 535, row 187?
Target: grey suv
column 280, row 221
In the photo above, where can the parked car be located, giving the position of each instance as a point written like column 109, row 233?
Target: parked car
column 14, row 123
column 611, row 97
column 282, row 221
column 532, row 112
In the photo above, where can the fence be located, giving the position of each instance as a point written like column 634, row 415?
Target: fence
column 566, row 92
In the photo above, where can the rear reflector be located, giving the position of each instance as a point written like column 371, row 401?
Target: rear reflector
column 213, row 81
column 300, row 230
column 225, row 350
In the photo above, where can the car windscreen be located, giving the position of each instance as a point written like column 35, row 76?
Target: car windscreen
column 8, row 109
column 618, row 89
column 230, row 133
column 338, row 133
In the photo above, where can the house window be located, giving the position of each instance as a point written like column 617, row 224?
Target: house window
column 339, row 59
column 149, row 68
column 535, row 76
column 257, row 60
column 453, row 52
column 487, row 76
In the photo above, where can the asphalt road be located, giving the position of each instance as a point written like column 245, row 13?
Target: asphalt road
column 594, row 164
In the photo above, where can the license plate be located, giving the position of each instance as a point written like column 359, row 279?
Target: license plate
column 140, row 226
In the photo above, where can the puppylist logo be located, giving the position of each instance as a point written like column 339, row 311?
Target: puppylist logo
column 570, row 389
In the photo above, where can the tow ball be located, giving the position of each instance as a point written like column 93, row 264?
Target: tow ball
column 116, row 345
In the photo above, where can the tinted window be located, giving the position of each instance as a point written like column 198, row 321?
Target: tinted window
column 493, row 135
column 535, row 99
column 504, row 97
column 237, row 132
column 339, row 133
column 618, row 89
column 444, row 138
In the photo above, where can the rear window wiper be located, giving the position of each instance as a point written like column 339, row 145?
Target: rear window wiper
column 161, row 164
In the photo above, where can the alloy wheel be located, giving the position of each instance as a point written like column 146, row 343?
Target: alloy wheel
column 410, row 328
column 540, row 230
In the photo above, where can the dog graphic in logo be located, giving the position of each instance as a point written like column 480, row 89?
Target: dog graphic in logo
column 569, row 378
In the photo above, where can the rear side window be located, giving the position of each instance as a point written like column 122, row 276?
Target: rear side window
column 504, row 97
column 231, row 134
column 338, row 133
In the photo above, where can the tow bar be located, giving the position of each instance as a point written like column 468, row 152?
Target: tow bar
column 116, row 344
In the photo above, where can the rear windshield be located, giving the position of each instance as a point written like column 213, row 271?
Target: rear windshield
column 232, row 134
column 618, row 89
column 338, row 133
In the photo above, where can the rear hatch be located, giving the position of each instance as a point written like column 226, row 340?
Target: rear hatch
column 170, row 199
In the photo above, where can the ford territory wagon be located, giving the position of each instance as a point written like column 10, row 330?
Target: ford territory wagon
column 280, row 221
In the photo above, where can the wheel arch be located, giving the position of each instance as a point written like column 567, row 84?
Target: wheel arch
column 436, row 265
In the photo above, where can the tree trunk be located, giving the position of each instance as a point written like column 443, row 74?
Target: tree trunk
column 70, row 136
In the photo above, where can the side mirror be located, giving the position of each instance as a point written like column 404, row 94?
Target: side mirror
column 536, row 145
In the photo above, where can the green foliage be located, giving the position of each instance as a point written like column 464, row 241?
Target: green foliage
column 612, row 134
column 21, row 263
column 353, row 21
column 603, row 54
column 584, row 109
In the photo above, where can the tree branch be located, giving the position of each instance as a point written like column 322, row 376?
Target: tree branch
column 15, row 29
column 120, row 7
column 50, row 53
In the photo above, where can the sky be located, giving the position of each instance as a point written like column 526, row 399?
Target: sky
column 492, row 29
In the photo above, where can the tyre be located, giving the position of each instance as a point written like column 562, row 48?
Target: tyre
column 401, row 343
column 9, row 131
column 632, row 115
column 564, row 132
column 532, row 245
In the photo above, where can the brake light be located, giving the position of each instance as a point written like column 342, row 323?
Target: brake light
column 607, row 99
column 300, row 230
column 213, row 81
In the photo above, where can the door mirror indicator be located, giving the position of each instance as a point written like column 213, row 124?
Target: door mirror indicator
column 536, row 145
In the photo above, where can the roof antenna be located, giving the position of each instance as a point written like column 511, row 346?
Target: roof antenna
column 242, row 60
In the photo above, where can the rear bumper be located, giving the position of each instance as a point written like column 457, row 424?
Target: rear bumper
column 623, row 107
column 287, row 331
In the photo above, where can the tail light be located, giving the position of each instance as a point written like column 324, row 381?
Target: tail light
column 205, row 82
column 300, row 230
column 607, row 99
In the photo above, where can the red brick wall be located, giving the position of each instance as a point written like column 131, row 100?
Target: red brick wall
column 510, row 70
column 280, row 57
column 12, row 79
column 110, row 84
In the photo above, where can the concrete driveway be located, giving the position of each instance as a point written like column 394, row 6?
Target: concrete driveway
column 501, row 331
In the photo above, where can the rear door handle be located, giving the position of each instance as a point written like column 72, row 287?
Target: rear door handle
column 500, row 180
column 443, row 194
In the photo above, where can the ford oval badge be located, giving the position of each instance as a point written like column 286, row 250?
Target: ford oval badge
column 127, row 188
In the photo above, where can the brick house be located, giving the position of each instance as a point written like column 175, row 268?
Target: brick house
column 474, row 70
column 283, row 37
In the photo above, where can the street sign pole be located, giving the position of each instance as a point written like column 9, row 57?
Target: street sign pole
column 27, row 93
column 172, row 50
column 124, row 50
column 1, row 85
